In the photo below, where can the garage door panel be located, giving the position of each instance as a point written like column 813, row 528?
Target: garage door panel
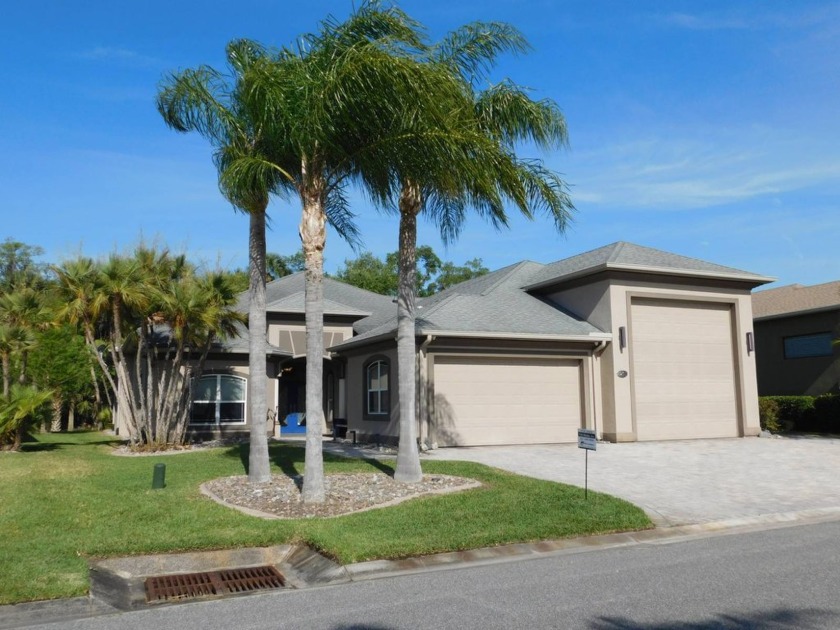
column 683, row 369
column 484, row 401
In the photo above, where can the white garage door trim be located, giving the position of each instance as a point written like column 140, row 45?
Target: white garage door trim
column 684, row 369
column 493, row 400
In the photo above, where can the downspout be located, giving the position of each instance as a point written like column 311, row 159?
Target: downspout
column 423, row 390
column 597, row 351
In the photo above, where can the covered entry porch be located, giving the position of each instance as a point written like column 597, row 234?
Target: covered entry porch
column 290, row 394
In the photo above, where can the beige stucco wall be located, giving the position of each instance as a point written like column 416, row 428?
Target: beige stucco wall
column 385, row 429
column 811, row 376
column 608, row 300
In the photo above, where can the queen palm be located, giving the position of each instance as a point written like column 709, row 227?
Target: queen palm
column 246, row 118
column 236, row 113
column 466, row 158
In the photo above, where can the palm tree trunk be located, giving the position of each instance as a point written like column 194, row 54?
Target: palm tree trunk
column 55, row 427
column 313, row 236
column 24, row 359
column 408, row 457
column 259, row 470
column 7, row 374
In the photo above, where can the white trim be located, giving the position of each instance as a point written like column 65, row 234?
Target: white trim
column 217, row 422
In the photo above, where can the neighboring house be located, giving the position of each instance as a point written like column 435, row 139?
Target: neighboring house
column 795, row 329
column 636, row 343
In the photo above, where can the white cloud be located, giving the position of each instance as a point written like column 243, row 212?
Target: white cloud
column 118, row 55
column 750, row 19
column 722, row 166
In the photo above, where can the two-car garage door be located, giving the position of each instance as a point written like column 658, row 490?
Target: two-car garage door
column 683, row 365
column 491, row 400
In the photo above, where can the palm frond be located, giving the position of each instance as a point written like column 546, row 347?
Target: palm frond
column 472, row 49
column 342, row 219
column 508, row 113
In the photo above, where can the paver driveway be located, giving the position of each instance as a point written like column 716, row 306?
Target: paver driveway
column 684, row 482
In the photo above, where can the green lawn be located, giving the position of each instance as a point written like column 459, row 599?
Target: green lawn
column 65, row 499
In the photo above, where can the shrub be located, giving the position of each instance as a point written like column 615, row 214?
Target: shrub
column 820, row 414
column 791, row 413
column 827, row 413
column 768, row 413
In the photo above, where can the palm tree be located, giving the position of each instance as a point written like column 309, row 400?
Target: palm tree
column 236, row 114
column 22, row 312
column 469, row 161
column 75, row 291
column 20, row 409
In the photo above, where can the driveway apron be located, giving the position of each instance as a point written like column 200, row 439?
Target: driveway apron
column 686, row 482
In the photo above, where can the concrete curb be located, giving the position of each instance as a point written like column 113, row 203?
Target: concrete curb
column 507, row 553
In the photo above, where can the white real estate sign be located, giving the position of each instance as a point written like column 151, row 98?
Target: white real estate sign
column 586, row 439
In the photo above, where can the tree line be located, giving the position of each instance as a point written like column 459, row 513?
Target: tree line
column 371, row 273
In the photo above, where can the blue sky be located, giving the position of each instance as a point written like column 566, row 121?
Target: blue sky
column 709, row 129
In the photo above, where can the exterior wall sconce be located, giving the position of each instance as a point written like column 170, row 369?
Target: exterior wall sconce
column 750, row 343
column 622, row 337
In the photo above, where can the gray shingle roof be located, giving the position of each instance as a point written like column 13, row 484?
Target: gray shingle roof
column 795, row 298
column 296, row 303
column 629, row 256
column 286, row 294
column 494, row 304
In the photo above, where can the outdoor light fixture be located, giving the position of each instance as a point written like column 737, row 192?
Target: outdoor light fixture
column 622, row 337
column 750, row 343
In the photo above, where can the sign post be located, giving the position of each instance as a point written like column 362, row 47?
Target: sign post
column 586, row 441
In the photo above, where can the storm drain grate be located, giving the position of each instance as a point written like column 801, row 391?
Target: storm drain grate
column 167, row 588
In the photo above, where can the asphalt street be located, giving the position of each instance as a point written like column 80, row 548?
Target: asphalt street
column 772, row 579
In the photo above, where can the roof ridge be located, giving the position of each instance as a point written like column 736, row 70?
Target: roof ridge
column 436, row 305
column 509, row 271
column 618, row 247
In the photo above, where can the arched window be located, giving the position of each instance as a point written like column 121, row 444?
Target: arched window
column 219, row 399
column 378, row 398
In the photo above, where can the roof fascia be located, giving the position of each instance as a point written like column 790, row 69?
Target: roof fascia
column 810, row 311
column 593, row 338
column 752, row 280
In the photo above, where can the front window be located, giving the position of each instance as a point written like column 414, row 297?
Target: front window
column 219, row 399
column 804, row 346
column 378, row 399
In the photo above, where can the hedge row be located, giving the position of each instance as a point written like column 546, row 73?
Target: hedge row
column 818, row 414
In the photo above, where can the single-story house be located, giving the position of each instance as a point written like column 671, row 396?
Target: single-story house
column 795, row 330
column 634, row 342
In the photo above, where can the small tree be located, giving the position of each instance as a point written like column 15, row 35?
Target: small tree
column 24, row 407
column 161, row 319
column 61, row 364
column 18, row 267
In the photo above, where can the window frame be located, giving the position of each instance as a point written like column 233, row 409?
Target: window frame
column 218, row 402
column 383, row 412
